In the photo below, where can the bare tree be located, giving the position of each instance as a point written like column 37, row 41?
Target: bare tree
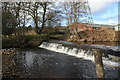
column 32, row 9
column 15, row 8
column 44, row 6
column 49, row 14
column 72, row 12
column 53, row 18
column 38, row 10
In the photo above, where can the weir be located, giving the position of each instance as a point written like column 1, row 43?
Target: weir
column 109, row 57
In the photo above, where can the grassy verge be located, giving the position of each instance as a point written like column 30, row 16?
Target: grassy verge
column 28, row 40
column 23, row 41
column 58, row 37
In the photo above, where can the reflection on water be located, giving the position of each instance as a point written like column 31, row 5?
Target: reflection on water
column 102, row 43
column 41, row 63
column 31, row 58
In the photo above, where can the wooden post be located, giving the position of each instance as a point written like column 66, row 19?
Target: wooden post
column 99, row 63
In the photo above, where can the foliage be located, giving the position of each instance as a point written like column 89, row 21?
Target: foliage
column 29, row 27
column 64, row 31
column 48, row 30
column 58, row 36
column 82, row 34
column 8, row 23
column 23, row 40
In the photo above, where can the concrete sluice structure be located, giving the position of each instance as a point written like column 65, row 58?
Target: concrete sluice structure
column 111, row 55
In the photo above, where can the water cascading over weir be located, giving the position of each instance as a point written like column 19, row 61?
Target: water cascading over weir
column 110, row 55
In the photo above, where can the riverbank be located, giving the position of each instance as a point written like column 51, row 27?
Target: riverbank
column 24, row 41
column 19, row 41
column 10, row 50
column 97, row 35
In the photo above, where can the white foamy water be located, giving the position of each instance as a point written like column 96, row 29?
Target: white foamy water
column 115, row 48
column 73, row 51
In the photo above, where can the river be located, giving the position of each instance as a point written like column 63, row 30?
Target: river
column 44, row 63
column 41, row 63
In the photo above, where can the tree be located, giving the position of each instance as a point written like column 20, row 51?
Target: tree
column 44, row 6
column 46, row 14
column 9, row 21
column 39, row 13
column 54, row 18
column 33, row 11
column 15, row 9
column 72, row 12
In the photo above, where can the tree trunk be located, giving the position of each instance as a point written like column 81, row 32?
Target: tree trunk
column 43, row 23
column 37, row 29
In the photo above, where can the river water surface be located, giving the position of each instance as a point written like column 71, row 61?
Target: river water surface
column 42, row 63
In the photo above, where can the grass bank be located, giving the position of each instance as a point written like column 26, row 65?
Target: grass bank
column 23, row 40
column 19, row 41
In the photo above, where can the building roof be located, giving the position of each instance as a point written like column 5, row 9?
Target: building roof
column 77, row 24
